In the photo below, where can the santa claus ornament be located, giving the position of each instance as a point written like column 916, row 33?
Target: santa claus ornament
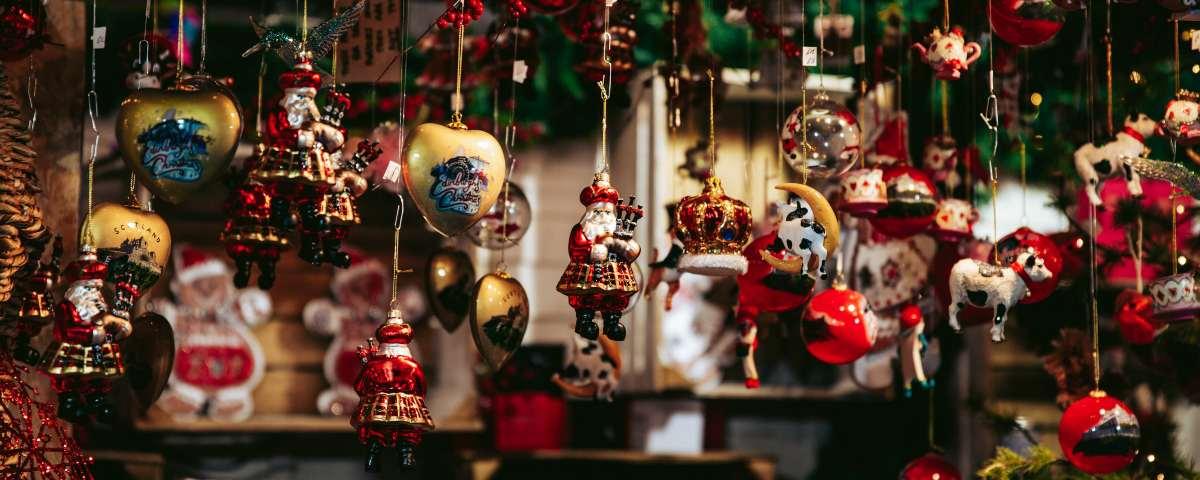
column 85, row 357
column 218, row 361
column 599, row 277
column 947, row 53
column 391, row 389
column 358, row 305
column 839, row 325
column 1099, row 434
column 912, row 202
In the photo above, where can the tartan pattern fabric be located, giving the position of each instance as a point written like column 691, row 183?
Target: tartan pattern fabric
column 74, row 359
column 592, row 278
column 394, row 408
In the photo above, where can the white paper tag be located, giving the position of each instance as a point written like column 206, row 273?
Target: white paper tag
column 520, row 70
column 392, row 172
column 860, row 54
column 1195, row 39
column 809, row 59
column 99, row 37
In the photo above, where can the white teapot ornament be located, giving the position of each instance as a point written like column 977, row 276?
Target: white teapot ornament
column 948, row 53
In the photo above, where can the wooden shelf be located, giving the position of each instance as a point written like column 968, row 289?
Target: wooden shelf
column 280, row 424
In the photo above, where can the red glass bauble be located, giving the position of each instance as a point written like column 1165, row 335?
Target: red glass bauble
column 1026, row 23
column 1135, row 317
column 1022, row 238
column 760, row 289
column 1099, row 434
column 551, row 7
column 912, row 201
column 839, row 326
column 22, row 28
column 930, row 466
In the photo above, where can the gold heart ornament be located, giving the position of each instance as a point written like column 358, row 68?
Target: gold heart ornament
column 178, row 140
column 453, row 174
column 138, row 235
column 449, row 277
column 499, row 317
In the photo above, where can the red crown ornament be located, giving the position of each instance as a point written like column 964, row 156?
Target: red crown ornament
column 713, row 228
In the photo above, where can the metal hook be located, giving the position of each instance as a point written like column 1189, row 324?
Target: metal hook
column 398, row 219
column 31, row 86
column 143, row 57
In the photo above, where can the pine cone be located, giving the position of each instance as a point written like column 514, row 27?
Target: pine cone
column 1070, row 363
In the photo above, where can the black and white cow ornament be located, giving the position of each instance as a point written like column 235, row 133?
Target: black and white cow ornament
column 1116, row 156
column 981, row 284
column 593, row 368
column 809, row 228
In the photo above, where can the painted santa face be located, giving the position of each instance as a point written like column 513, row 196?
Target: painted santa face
column 299, row 106
column 599, row 220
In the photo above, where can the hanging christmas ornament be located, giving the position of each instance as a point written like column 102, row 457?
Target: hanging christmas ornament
column 151, row 64
column 839, row 325
column 809, row 230
column 930, row 466
column 1026, row 23
column 499, row 317
column 1099, row 434
column 391, row 389
column 220, row 362
column 1181, row 122
column 948, row 54
column 939, row 274
column 250, row 235
column 593, row 369
column 36, row 307
column 149, row 356
column 667, row 269
column 1073, row 247
column 608, row 41
column 953, row 220
column 892, row 272
column 822, row 137
column 454, row 174
column 137, row 237
column 339, row 207
column 601, row 247
column 713, row 228
column 763, row 289
column 984, row 285
column 505, row 223
column 85, row 357
column 1174, row 298
column 22, row 28
column 912, row 202
column 358, row 305
column 1110, row 159
column 179, row 140
column 1021, row 241
column 863, row 192
column 940, row 161
column 1135, row 317
column 449, row 279
column 913, row 343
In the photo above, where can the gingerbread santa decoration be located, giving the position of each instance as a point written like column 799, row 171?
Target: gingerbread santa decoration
column 218, row 361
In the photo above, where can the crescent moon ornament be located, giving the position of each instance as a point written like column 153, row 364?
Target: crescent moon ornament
column 809, row 227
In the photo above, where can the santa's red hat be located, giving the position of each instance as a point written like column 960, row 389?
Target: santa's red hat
column 360, row 266
column 301, row 76
column 192, row 264
column 598, row 192
column 394, row 330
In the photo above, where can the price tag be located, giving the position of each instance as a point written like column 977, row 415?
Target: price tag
column 809, row 59
column 392, row 172
column 520, row 71
column 99, row 37
column 860, row 54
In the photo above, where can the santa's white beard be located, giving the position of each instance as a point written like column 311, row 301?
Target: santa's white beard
column 596, row 223
column 298, row 110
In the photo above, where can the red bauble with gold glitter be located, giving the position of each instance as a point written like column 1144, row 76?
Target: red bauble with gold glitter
column 930, row 466
column 839, row 326
column 391, row 389
column 912, row 201
column 22, row 28
column 1099, row 434
column 1023, row 238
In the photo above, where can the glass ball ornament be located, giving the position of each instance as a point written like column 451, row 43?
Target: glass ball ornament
column 912, row 202
column 1099, row 434
column 495, row 231
column 1023, row 238
column 827, row 142
column 839, row 326
column 1026, row 23
column 551, row 7
column 930, row 466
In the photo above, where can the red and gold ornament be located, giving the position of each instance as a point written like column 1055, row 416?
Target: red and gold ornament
column 1135, row 317
column 1099, row 434
column 713, row 228
column 839, row 326
column 391, row 389
column 601, row 248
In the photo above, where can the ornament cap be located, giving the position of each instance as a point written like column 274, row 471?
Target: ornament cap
column 457, row 125
column 1097, row 393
